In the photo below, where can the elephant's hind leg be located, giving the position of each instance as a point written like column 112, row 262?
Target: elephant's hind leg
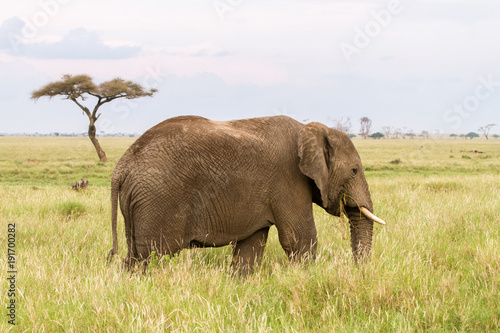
column 247, row 253
column 157, row 235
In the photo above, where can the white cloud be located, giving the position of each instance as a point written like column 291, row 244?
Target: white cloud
column 78, row 43
column 9, row 28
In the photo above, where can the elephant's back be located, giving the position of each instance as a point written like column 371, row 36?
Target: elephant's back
column 188, row 133
column 169, row 129
column 196, row 145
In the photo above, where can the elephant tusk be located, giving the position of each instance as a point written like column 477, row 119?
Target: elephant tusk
column 369, row 215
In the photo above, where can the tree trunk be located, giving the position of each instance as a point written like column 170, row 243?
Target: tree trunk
column 95, row 142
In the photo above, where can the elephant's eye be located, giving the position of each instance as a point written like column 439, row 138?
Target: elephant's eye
column 354, row 171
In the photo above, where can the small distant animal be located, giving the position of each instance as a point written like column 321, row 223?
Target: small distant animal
column 33, row 160
column 81, row 184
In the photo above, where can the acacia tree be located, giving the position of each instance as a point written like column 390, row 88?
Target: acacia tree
column 377, row 135
column 411, row 134
column 366, row 125
column 486, row 130
column 78, row 88
column 387, row 131
column 472, row 135
column 343, row 124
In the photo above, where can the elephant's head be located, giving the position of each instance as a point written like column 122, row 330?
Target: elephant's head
column 329, row 157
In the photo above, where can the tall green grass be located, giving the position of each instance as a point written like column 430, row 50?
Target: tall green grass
column 435, row 266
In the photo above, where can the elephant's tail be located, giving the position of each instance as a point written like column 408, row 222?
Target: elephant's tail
column 115, row 189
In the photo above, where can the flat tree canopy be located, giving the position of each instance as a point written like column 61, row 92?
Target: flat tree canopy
column 78, row 88
column 472, row 135
column 377, row 135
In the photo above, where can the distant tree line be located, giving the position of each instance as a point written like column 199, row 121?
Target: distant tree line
column 344, row 124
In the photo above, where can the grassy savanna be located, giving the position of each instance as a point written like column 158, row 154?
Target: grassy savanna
column 435, row 266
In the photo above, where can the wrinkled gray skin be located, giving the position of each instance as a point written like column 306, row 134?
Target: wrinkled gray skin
column 192, row 182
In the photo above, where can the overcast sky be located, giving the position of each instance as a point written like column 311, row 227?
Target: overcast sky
column 421, row 65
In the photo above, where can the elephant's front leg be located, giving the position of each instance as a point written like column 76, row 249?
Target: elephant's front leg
column 299, row 242
column 247, row 253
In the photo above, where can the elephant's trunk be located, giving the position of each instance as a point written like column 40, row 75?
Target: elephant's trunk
column 361, row 234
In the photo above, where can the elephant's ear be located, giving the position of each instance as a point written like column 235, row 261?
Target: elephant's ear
column 313, row 148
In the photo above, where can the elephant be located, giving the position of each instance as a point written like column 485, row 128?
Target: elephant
column 193, row 182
